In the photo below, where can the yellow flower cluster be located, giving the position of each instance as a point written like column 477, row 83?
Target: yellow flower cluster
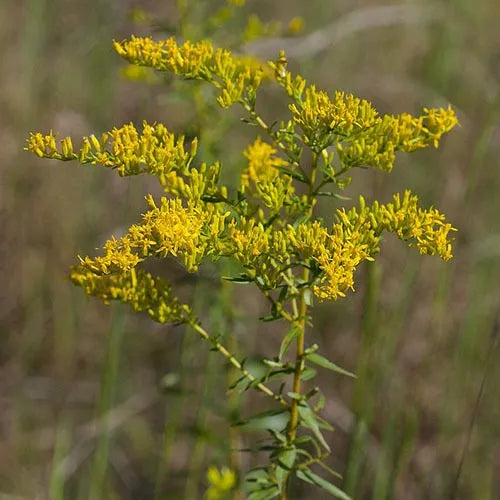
column 155, row 151
column 377, row 146
column 196, row 184
column 363, row 137
column 262, row 178
column 188, row 233
column 308, row 239
column 221, row 482
column 356, row 238
column 437, row 121
column 136, row 288
column 338, row 254
column 235, row 78
column 424, row 229
column 191, row 234
column 344, row 251
column 261, row 229
column 262, row 163
column 323, row 119
column 261, row 250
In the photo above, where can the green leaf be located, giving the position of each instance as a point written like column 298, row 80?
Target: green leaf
column 308, row 419
column 325, row 363
column 270, row 491
column 273, row 364
column 270, row 317
column 323, row 424
column 242, row 278
column 237, row 382
column 273, row 375
column 308, row 296
column 260, row 281
column 259, row 485
column 295, row 175
column 289, row 338
column 300, row 474
column 321, row 403
column 300, row 220
column 340, row 197
column 307, row 374
column 210, row 198
column 283, row 294
column 278, row 436
column 333, row 195
column 257, row 475
column 311, row 349
column 286, row 460
column 309, row 477
column 311, row 393
column 271, row 419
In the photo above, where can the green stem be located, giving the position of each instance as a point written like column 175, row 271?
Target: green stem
column 219, row 347
column 264, row 126
column 279, row 307
column 300, row 322
column 299, row 362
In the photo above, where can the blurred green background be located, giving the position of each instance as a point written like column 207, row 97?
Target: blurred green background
column 99, row 403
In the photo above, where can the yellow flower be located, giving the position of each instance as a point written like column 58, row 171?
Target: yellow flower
column 168, row 229
column 136, row 288
column 235, row 78
column 356, row 237
column 200, row 219
column 155, row 150
column 221, row 481
column 323, row 119
column 262, row 163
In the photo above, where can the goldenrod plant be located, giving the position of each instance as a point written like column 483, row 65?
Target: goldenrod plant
column 266, row 224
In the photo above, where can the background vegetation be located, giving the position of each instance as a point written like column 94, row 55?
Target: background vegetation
column 420, row 334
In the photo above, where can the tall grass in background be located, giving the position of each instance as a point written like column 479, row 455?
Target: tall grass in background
column 76, row 420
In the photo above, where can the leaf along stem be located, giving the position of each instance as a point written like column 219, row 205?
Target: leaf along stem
column 223, row 350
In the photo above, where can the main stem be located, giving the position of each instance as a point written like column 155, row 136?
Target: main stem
column 300, row 322
column 299, row 361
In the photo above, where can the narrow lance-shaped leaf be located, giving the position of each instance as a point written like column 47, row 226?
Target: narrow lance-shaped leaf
column 326, row 363
column 308, row 419
column 288, row 339
column 309, row 477
column 286, row 460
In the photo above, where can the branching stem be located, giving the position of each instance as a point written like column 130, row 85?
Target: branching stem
column 223, row 350
column 268, row 129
